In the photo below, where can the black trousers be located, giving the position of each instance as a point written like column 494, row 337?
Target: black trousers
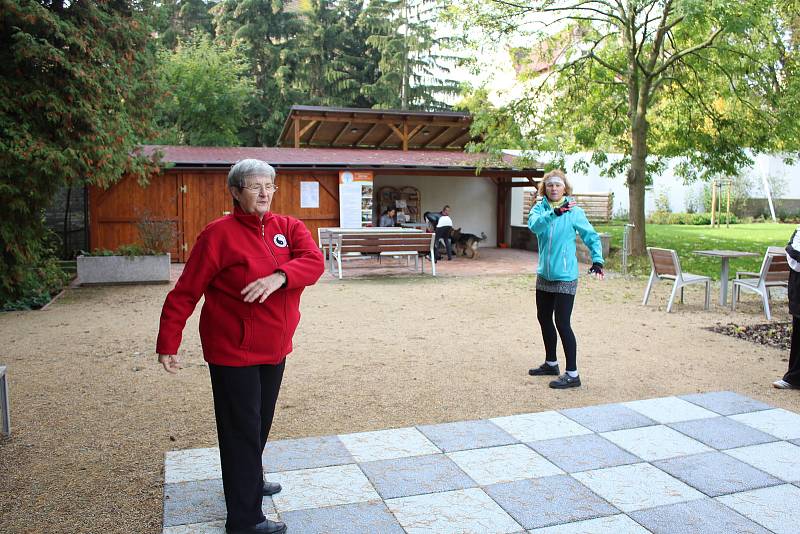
column 793, row 374
column 559, row 305
column 443, row 232
column 244, row 404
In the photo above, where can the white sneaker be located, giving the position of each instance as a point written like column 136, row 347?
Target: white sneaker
column 782, row 384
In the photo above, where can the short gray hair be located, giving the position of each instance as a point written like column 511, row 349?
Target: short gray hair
column 249, row 167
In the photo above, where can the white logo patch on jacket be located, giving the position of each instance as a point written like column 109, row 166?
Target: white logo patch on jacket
column 280, row 241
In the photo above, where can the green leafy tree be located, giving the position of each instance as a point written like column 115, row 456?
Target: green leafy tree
column 267, row 34
column 414, row 62
column 208, row 88
column 706, row 81
column 76, row 90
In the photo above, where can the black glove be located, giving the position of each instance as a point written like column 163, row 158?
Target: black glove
column 560, row 210
column 596, row 268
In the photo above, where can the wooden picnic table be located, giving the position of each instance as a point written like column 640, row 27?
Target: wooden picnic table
column 724, row 256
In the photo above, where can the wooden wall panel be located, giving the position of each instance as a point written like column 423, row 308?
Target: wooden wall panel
column 205, row 197
column 114, row 212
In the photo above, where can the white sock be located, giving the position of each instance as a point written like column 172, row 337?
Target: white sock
column 573, row 374
column 548, row 362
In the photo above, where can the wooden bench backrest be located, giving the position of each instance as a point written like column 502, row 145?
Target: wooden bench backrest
column 664, row 261
column 776, row 264
column 375, row 243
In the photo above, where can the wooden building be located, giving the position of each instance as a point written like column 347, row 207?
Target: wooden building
column 417, row 148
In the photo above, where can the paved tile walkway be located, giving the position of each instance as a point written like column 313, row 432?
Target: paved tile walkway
column 712, row 463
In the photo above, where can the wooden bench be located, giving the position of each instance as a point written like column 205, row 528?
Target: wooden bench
column 597, row 206
column 384, row 244
column 5, row 424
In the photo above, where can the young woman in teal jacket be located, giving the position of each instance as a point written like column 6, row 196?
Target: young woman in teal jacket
column 555, row 220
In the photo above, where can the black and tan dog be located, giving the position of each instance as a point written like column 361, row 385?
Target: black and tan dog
column 466, row 244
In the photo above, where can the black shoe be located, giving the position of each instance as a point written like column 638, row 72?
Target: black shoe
column 265, row 527
column 565, row 381
column 271, row 488
column 544, row 369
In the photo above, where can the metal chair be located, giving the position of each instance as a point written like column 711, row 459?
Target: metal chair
column 774, row 272
column 666, row 266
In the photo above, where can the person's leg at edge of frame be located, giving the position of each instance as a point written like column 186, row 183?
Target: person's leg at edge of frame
column 791, row 380
column 237, row 401
column 545, row 302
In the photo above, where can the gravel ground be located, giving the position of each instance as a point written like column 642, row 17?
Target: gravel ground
column 93, row 413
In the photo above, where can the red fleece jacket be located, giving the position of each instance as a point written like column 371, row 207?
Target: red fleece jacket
column 230, row 253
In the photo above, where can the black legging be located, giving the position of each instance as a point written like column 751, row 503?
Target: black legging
column 560, row 305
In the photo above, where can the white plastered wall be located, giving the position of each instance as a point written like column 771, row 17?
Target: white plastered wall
column 473, row 200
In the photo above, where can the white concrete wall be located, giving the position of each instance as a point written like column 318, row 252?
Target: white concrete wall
column 473, row 200
column 677, row 192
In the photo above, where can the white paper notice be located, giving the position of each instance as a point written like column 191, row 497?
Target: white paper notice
column 350, row 205
column 309, row 194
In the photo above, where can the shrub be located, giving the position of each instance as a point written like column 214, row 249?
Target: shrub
column 696, row 219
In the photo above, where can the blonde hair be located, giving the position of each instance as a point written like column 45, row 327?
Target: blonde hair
column 560, row 174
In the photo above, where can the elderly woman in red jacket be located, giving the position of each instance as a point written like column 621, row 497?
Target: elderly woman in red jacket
column 252, row 267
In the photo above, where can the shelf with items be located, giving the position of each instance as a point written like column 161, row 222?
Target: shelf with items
column 405, row 199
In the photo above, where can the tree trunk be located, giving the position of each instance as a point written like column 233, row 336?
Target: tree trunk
column 636, row 183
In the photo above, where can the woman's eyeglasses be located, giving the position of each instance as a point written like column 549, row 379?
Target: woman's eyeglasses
column 255, row 188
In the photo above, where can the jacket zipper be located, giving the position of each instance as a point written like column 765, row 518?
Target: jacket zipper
column 550, row 248
column 283, row 326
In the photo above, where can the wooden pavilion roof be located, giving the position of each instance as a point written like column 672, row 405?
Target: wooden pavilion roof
column 327, row 127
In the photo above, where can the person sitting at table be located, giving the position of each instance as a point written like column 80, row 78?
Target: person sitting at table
column 388, row 218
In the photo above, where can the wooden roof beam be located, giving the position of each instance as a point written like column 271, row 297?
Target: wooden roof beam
column 459, row 123
column 434, row 138
column 365, row 134
column 341, row 132
column 456, row 138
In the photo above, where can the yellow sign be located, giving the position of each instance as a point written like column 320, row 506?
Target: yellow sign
column 348, row 177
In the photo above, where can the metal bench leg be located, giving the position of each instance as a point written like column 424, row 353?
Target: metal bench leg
column 649, row 288
column 675, row 288
column 765, row 300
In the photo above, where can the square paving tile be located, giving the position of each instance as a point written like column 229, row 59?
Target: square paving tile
column 548, row 501
column 778, row 422
column 613, row 524
column 305, row 453
column 726, row 402
column 465, row 435
column 582, row 453
column 703, row 515
column 722, row 432
column 452, row 512
column 359, row 518
column 538, row 426
column 192, row 464
column 780, row 459
column 387, row 444
column 655, row 442
column 608, row 417
column 775, row 508
column 198, row 501
column 715, row 473
column 669, row 409
column 403, row 477
column 503, row 464
column 322, row 486
column 637, row 486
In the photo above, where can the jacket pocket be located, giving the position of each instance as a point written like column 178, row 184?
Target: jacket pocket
column 247, row 333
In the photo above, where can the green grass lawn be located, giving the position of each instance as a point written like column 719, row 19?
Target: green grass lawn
column 686, row 239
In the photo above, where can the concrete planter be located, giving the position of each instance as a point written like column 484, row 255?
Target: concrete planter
column 123, row 269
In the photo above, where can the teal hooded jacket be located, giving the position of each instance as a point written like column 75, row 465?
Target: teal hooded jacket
column 556, row 237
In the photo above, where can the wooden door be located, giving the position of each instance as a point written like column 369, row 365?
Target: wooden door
column 287, row 199
column 204, row 197
column 115, row 212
